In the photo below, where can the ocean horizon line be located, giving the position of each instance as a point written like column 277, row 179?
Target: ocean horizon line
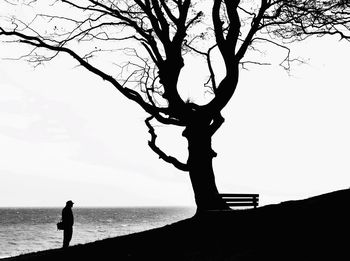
column 31, row 229
column 77, row 207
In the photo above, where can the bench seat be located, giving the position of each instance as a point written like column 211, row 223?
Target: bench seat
column 241, row 200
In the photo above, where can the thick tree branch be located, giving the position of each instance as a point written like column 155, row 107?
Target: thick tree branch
column 234, row 28
column 130, row 94
column 255, row 27
column 169, row 12
column 149, row 39
column 218, row 30
column 162, row 155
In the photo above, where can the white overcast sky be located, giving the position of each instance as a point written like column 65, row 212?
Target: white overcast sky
column 66, row 134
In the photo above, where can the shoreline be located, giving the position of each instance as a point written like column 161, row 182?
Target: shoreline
column 27, row 230
column 308, row 229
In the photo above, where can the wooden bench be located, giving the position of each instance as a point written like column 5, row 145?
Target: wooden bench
column 241, row 200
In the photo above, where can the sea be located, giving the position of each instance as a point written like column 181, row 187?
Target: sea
column 25, row 230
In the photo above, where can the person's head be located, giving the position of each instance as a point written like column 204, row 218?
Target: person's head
column 69, row 203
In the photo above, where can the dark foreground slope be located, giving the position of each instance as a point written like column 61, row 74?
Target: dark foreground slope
column 312, row 229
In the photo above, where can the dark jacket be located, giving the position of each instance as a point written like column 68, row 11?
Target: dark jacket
column 67, row 217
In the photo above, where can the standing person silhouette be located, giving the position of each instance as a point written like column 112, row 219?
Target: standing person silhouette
column 68, row 221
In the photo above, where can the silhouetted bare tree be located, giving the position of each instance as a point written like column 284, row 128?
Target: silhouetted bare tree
column 148, row 40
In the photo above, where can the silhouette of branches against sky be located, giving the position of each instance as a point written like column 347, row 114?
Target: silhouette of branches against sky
column 140, row 47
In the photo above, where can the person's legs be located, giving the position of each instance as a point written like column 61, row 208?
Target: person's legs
column 67, row 236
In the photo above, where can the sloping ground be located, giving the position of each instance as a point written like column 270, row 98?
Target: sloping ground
column 312, row 229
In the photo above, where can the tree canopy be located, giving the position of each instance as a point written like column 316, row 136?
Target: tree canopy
column 139, row 46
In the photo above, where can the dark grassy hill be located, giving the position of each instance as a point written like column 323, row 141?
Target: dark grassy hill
column 311, row 229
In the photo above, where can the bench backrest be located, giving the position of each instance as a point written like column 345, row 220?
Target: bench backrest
column 241, row 200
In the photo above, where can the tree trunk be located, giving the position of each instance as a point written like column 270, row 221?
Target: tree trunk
column 201, row 168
